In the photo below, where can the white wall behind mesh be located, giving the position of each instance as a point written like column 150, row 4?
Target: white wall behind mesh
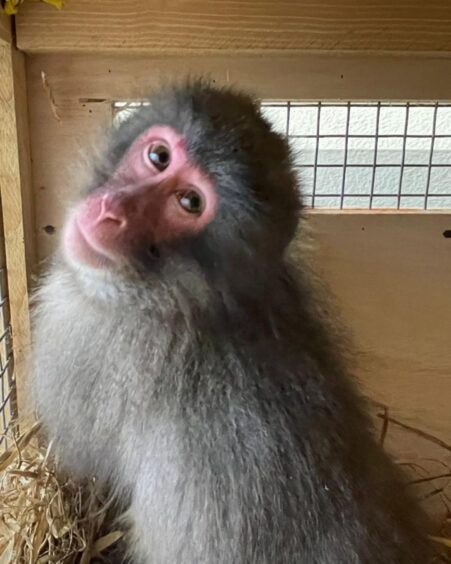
column 364, row 155
column 373, row 155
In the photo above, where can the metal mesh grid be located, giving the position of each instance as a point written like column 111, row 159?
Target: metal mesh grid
column 369, row 155
column 364, row 155
column 7, row 382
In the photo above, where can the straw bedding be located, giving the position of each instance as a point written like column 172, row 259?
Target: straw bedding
column 46, row 517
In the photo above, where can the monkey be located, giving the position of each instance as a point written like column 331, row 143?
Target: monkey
column 183, row 358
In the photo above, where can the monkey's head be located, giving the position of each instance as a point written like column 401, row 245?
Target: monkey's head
column 198, row 175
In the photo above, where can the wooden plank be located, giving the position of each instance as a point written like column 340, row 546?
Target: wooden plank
column 5, row 28
column 15, row 191
column 226, row 26
column 309, row 76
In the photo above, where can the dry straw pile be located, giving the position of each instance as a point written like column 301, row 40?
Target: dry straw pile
column 45, row 518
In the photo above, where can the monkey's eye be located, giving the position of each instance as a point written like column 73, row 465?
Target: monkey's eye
column 191, row 202
column 159, row 155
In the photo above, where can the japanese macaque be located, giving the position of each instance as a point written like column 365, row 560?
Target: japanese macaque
column 181, row 357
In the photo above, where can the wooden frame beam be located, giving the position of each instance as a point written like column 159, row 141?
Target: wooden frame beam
column 5, row 28
column 16, row 206
column 225, row 26
column 307, row 76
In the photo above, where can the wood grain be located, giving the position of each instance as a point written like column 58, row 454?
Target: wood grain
column 15, row 191
column 308, row 76
column 231, row 26
column 391, row 273
column 5, row 28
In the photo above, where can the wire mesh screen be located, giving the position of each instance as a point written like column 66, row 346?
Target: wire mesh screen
column 7, row 382
column 364, row 155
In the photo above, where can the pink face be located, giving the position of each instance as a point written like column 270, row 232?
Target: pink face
column 155, row 195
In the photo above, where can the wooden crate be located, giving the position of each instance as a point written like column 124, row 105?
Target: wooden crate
column 391, row 272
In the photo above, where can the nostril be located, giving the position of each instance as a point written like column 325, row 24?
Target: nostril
column 112, row 211
column 121, row 222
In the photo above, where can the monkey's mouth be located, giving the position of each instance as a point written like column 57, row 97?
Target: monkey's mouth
column 154, row 252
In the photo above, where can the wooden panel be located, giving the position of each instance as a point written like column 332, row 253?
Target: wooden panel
column 15, row 191
column 254, row 26
column 5, row 28
column 390, row 272
column 304, row 77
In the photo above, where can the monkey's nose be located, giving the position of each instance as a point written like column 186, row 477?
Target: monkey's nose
column 113, row 210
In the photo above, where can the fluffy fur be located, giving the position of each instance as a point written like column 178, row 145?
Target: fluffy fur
column 207, row 387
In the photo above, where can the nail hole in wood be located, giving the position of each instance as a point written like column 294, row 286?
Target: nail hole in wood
column 49, row 229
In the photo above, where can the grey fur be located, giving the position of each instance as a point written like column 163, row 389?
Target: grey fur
column 209, row 387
